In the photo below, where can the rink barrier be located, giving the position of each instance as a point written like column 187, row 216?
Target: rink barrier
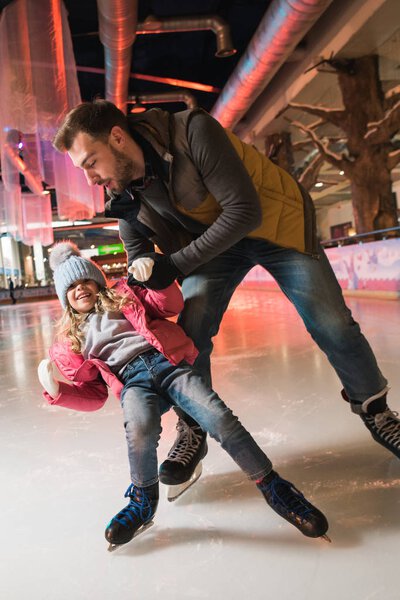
column 369, row 269
column 29, row 294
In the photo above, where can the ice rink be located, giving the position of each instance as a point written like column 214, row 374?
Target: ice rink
column 64, row 473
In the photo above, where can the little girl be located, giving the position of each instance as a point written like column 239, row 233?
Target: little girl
column 120, row 337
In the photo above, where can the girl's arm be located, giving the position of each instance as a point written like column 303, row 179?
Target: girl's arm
column 167, row 302
column 87, row 395
column 164, row 303
column 80, row 396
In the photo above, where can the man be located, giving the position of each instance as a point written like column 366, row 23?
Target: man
column 216, row 207
column 11, row 288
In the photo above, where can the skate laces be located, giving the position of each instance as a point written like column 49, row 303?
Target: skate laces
column 283, row 494
column 186, row 443
column 387, row 425
column 139, row 508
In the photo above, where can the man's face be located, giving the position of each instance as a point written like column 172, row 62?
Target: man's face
column 103, row 162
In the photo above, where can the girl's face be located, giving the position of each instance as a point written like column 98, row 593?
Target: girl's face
column 82, row 295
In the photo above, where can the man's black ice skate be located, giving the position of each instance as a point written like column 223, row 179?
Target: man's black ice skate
column 135, row 518
column 382, row 423
column 183, row 467
column 290, row 504
column 385, row 429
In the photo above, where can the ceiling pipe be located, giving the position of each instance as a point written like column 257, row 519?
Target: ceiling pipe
column 176, row 96
column 214, row 23
column 283, row 26
column 196, row 23
column 117, row 32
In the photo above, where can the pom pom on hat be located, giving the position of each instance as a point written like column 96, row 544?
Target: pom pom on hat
column 61, row 252
column 69, row 266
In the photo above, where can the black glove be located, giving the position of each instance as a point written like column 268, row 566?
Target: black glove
column 163, row 274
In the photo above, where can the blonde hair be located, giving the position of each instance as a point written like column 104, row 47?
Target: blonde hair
column 69, row 326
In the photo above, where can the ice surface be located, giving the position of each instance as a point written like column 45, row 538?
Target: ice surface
column 64, row 473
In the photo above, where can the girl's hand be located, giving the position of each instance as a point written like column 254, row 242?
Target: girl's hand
column 46, row 377
column 142, row 268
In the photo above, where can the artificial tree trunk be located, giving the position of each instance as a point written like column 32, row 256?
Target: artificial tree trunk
column 371, row 185
column 372, row 197
column 278, row 147
column 369, row 122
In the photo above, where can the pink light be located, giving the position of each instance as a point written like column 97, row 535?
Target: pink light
column 202, row 87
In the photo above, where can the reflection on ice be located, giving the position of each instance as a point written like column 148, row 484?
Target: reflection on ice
column 64, row 474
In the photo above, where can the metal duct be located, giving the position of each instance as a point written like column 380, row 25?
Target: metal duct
column 284, row 24
column 117, row 32
column 176, row 96
column 213, row 22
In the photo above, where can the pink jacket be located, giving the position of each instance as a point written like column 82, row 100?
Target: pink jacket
column 147, row 314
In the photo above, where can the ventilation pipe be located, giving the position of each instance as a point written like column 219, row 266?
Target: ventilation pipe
column 117, row 32
column 177, row 96
column 283, row 26
column 172, row 24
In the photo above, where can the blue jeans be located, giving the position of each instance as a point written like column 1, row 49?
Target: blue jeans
column 309, row 283
column 151, row 386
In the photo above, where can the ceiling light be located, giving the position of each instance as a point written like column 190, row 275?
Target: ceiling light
column 319, row 184
column 341, row 172
column 137, row 106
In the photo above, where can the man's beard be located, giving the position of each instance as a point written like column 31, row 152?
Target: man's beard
column 124, row 169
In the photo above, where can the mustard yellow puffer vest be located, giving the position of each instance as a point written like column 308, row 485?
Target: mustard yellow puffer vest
column 287, row 211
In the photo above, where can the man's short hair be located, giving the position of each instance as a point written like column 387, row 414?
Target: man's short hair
column 95, row 118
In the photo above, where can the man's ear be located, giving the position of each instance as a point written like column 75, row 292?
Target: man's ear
column 118, row 136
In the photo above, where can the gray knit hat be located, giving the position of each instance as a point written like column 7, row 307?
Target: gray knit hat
column 69, row 266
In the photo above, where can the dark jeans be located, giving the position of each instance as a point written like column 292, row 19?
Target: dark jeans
column 309, row 283
column 151, row 386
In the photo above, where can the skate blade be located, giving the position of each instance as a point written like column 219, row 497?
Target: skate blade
column 141, row 530
column 174, row 491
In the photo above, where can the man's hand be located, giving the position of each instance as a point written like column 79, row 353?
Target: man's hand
column 46, row 377
column 141, row 268
column 161, row 273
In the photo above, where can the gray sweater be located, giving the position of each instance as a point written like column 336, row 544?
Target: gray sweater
column 111, row 338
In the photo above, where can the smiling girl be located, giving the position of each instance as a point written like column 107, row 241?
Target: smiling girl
column 120, row 337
